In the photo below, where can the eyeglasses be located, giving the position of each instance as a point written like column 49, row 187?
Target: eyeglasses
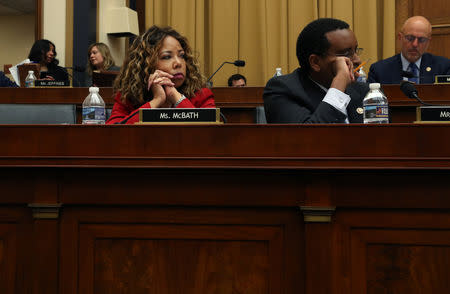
column 411, row 39
column 350, row 53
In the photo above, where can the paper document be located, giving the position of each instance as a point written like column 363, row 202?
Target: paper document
column 15, row 72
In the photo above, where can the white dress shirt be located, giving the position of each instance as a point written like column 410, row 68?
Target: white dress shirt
column 336, row 98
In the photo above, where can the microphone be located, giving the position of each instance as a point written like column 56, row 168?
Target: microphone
column 239, row 63
column 74, row 69
column 410, row 91
column 408, row 74
column 236, row 63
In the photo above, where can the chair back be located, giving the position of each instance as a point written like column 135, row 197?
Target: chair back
column 260, row 116
column 38, row 114
column 108, row 112
column 23, row 71
column 6, row 68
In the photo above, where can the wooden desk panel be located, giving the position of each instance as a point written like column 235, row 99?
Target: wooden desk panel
column 395, row 146
column 224, row 96
column 217, row 207
column 237, row 104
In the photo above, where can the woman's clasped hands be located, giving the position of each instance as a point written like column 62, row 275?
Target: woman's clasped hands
column 165, row 95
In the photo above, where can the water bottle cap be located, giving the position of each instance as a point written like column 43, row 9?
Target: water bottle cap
column 374, row 86
column 31, row 71
column 93, row 89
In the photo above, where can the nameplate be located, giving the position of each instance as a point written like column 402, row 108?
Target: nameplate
column 436, row 114
column 179, row 115
column 50, row 83
column 442, row 79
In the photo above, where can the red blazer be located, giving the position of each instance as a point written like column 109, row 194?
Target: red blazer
column 124, row 113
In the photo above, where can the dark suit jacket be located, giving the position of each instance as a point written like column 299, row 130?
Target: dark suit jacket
column 294, row 98
column 5, row 81
column 57, row 72
column 389, row 71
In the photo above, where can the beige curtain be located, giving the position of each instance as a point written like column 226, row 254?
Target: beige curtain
column 264, row 32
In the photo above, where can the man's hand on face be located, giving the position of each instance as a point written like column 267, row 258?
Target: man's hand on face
column 343, row 68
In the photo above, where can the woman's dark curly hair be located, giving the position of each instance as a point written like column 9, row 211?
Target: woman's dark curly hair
column 141, row 63
column 40, row 49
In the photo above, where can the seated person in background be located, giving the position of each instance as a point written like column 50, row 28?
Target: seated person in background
column 44, row 53
column 415, row 37
column 327, row 51
column 160, row 71
column 5, row 81
column 99, row 59
column 237, row 80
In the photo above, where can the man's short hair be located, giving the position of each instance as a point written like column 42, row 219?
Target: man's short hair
column 312, row 39
column 236, row 77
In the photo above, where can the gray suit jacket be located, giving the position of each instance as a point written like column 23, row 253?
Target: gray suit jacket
column 294, row 98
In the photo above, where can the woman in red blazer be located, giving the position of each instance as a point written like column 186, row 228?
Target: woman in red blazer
column 160, row 71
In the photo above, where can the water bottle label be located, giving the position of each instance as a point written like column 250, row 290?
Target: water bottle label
column 93, row 113
column 29, row 84
column 376, row 111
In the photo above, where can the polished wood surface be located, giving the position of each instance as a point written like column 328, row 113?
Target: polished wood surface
column 220, row 209
column 403, row 109
column 237, row 104
column 248, row 97
column 51, row 95
column 232, row 145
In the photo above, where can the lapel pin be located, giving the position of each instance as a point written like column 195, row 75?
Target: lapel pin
column 428, row 68
column 359, row 110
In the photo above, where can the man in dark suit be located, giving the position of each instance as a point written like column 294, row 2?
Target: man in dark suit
column 5, row 82
column 421, row 67
column 327, row 51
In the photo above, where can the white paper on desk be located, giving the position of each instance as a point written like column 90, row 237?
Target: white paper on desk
column 15, row 72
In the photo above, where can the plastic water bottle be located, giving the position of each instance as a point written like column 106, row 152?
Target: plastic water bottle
column 30, row 79
column 375, row 104
column 93, row 108
column 278, row 72
column 362, row 76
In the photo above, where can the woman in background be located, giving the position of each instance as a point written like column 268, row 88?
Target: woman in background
column 161, row 71
column 99, row 59
column 44, row 53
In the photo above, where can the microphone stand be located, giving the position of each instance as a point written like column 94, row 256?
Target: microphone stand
column 424, row 103
column 236, row 63
column 410, row 91
column 73, row 76
column 218, row 70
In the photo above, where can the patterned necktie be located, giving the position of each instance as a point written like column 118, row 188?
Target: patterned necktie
column 415, row 71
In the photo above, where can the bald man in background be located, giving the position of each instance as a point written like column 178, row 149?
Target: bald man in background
column 415, row 37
